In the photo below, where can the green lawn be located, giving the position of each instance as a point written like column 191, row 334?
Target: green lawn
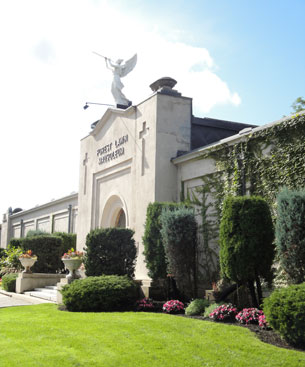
column 43, row 336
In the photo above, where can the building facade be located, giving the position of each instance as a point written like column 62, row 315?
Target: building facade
column 56, row 216
column 131, row 157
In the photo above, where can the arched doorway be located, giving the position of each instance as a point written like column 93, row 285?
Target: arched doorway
column 114, row 213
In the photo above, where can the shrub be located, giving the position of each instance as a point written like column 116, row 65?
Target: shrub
column 36, row 232
column 145, row 304
column 179, row 235
column 15, row 242
column 246, row 242
column 10, row 261
column 9, row 282
column 110, row 251
column 196, row 307
column 285, row 312
column 173, row 307
column 224, row 313
column 209, row 309
column 100, row 294
column 290, row 234
column 2, row 252
column 47, row 248
column 152, row 240
column 68, row 240
column 249, row 316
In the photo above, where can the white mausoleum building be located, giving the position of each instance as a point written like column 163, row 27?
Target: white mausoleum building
column 132, row 157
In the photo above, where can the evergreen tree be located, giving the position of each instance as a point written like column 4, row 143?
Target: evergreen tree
column 290, row 234
column 246, row 242
column 179, row 235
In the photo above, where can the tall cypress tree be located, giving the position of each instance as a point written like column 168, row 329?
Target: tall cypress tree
column 290, row 234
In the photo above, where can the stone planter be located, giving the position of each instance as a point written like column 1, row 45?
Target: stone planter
column 72, row 265
column 27, row 263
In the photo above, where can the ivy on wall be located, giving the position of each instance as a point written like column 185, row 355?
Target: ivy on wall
column 261, row 163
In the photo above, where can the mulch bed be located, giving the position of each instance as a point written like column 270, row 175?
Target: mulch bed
column 265, row 335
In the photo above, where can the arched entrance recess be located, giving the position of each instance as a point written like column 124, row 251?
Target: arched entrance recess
column 114, row 213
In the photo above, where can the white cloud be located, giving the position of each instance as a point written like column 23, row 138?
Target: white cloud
column 44, row 51
column 48, row 72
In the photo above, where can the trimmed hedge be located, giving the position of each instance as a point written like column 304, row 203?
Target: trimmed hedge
column 246, row 242
column 285, row 312
column 101, row 294
column 47, row 248
column 15, row 242
column 110, row 251
column 68, row 240
column 9, row 282
column 290, row 234
column 246, row 236
column 36, row 232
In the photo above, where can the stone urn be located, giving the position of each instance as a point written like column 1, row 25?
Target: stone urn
column 72, row 265
column 27, row 263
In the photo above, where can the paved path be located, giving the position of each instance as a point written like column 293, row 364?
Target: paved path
column 9, row 299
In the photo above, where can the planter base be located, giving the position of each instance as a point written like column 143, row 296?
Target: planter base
column 29, row 281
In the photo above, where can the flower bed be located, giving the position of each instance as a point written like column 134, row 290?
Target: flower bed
column 173, row 307
column 225, row 312
column 252, row 316
column 145, row 304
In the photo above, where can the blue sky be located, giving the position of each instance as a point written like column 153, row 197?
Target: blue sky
column 258, row 47
column 239, row 60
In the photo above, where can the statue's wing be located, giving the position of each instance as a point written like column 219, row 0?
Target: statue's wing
column 129, row 65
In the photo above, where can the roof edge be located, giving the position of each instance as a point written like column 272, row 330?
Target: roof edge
column 196, row 152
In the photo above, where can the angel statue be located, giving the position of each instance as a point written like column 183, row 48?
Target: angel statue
column 119, row 69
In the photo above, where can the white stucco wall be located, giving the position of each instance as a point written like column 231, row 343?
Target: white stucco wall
column 157, row 128
column 50, row 217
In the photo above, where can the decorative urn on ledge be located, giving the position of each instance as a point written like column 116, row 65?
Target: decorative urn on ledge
column 27, row 260
column 72, row 261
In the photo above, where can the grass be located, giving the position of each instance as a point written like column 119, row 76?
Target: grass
column 43, row 336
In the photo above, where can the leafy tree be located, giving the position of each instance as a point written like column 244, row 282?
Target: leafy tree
column 246, row 242
column 298, row 105
column 290, row 234
column 179, row 235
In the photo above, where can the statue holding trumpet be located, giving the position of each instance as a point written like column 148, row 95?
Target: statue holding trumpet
column 119, row 69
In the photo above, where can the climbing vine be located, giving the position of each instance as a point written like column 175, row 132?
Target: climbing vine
column 261, row 163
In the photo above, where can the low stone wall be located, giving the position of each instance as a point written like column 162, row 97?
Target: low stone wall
column 27, row 282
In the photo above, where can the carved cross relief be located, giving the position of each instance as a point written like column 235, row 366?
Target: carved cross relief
column 85, row 161
column 142, row 134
